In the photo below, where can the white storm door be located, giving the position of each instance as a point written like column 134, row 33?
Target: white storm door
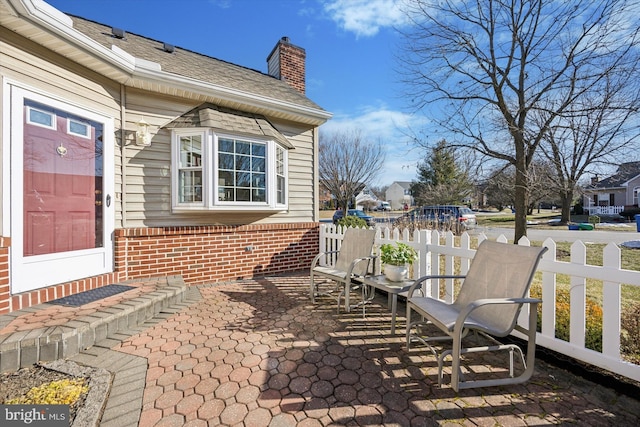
column 61, row 192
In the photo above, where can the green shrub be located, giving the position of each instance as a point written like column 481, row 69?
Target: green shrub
column 593, row 335
column 352, row 221
column 429, row 224
column 630, row 213
column 578, row 209
column 630, row 334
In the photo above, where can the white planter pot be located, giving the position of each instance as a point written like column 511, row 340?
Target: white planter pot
column 395, row 273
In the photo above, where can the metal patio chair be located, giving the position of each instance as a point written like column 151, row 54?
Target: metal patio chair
column 489, row 302
column 352, row 261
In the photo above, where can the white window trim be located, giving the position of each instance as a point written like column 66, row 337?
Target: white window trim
column 210, row 200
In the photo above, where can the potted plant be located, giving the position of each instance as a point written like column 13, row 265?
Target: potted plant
column 396, row 259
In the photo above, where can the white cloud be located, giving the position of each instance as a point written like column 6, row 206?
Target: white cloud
column 365, row 17
column 393, row 129
column 223, row 4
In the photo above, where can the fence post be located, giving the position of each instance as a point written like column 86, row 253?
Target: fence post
column 549, row 293
column 611, row 304
column 578, row 297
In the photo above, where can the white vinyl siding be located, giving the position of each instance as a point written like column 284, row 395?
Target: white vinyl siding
column 38, row 69
column 142, row 196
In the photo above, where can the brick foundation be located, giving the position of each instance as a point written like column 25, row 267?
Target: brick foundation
column 206, row 254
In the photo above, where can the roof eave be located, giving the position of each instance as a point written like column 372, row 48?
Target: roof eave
column 151, row 78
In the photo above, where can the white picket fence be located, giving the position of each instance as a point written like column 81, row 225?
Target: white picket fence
column 433, row 254
column 604, row 210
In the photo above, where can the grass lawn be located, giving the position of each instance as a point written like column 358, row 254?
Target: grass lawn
column 540, row 220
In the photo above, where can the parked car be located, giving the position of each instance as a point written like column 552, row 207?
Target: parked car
column 355, row 212
column 383, row 207
column 443, row 214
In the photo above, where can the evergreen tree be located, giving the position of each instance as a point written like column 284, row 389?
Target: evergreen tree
column 441, row 180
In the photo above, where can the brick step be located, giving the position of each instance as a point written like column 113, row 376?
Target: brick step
column 44, row 344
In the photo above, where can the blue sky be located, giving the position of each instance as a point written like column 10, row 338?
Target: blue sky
column 350, row 44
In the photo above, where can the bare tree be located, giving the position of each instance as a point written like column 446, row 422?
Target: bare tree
column 481, row 68
column 379, row 191
column 500, row 188
column 347, row 162
column 602, row 127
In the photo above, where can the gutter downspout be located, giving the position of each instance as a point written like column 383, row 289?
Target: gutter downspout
column 123, row 155
column 123, row 174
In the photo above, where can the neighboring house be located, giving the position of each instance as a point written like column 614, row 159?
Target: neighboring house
column 614, row 193
column 398, row 194
column 125, row 157
column 366, row 199
column 327, row 199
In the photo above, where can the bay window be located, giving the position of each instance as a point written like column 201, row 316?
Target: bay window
column 214, row 171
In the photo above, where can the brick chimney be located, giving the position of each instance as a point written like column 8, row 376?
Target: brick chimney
column 287, row 63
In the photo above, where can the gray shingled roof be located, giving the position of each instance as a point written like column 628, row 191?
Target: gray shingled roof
column 193, row 65
column 229, row 120
column 404, row 184
column 626, row 171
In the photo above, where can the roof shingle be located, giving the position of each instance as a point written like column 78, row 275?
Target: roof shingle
column 626, row 171
column 186, row 63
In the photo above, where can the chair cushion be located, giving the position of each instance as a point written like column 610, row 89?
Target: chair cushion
column 330, row 272
column 444, row 315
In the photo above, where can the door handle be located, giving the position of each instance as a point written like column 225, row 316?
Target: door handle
column 108, row 200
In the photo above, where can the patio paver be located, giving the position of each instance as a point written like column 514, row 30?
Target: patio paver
column 257, row 352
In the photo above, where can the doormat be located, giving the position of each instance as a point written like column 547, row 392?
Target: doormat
column 90, row 296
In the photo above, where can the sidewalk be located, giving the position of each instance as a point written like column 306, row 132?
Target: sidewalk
column 258, row 353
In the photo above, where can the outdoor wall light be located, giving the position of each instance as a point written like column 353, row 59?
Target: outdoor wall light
column 143, row 136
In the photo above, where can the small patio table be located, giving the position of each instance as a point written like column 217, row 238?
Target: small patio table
column 370, row 283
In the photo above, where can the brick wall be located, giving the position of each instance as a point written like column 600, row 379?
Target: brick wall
column 292, row 66
column 5, row 295
column 207, row 254
column 287, row 63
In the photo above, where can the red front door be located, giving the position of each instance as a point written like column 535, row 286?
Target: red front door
column 59, row 181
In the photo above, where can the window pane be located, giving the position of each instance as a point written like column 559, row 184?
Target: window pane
column 225, row 193
column 259, row 196
column 258, row 180
column 243, row 195
column 258, row 150
column 226, row 178
column 190, row 169
column 190, row 151
column 225, row 161
column 258, row 165
column 243, row 179
column 280, row 177
column 190, row 186
column 78, row 128
column 225, row 145
column 280, row 191
column 41, row 117
column 243, row 147
column 243, row 163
